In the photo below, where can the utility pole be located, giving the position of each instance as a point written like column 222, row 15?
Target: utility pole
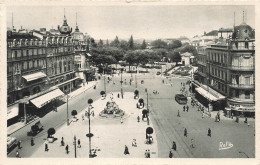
column 121, row 84
column 75, row 146
column 135, row 82
column 105, row 84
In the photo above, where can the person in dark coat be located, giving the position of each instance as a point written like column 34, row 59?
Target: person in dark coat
column 178, row 115
column 62, row 141
column 174, row 147
column 185, row 132
column 209, row 132
column 19, row 144
column 138, row 119
column 46, row 147
column 170, row 154
column 32, row 142
column 184, row 108
column 126, row 150
column 187, row 108
column 245, row 120
column 148, row 154
column 67, row 149
column 79, row 145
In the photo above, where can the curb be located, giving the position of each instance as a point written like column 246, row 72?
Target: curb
column 23, row 126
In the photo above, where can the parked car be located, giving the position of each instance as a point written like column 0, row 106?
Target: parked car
column 35, row 129
column 181, row 99
column 11, row 143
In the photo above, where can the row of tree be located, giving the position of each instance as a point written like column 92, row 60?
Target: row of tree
column 134, row 53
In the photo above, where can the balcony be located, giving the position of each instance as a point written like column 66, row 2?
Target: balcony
column 26, row 57
column 242, row 86
column 242, row 68
column 243, row 48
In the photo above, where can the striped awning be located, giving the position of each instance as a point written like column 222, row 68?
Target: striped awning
column 46, row 98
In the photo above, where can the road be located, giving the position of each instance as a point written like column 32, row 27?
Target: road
column 163, row 112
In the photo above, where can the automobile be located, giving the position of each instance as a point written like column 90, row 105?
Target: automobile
column 181, row 99
column 11, row 143
column 158, row 73
column 35, row 129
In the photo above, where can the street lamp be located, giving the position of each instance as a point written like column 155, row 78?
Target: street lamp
column 121, row 84
column 25, row 101
column 75, row 139
column 89, row 135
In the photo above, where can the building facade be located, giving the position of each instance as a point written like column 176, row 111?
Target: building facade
column 227, row 69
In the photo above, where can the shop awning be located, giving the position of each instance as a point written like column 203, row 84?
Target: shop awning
column 34, row 76
column 209, row 95
column 12, row 111
column 46, row 98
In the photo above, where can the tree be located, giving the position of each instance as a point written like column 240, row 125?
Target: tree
column 131, row 43
column 175, row 44
column 144, row 45
column 123, row 45
column 74, row 113
column 51, row 131
column 93, row 43
column 175, row 56
column 107, row 43
column 115, row 43
column 102, row 93
column 159, row 44
column 90, row 101
column 100, row 44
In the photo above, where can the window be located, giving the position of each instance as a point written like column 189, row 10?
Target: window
column 15, row 54
column 27, row 52
column 246, row 45
column 247, row 94
column 237, row 93
column 247, row 80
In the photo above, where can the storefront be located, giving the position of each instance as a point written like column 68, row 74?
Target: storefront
column 210, row 98
column 240, row 109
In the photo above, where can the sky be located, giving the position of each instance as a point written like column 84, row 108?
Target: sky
column 141, row 21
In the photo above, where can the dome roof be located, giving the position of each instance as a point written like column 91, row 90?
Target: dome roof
column 243, row 32
column 65, row 29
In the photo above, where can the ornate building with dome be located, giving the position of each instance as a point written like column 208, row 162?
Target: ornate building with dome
column 226, row 80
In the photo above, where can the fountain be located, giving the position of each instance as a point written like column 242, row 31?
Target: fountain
column 111, row 110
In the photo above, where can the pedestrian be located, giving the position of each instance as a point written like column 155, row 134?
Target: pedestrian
column 170, row 154
column 32, row 142
column 134, row 144
column 184, row 108
column 237, row 119
column 82, row 117
column 17, row 155
column 245, row 120
column 174, row 147
column 118, row 95
column 62, row 141
column 187, row 108
column 79, row 145
column 67, row 149
column 148, row 154
column 192, row 145
column 148, row 120
column 138, row 119
column 209, row 132
column 19, row 144
column 185, row 132
column 126, row 150
column 121, row 120
column 46, row 147
column 181, row 83
column 178, row 115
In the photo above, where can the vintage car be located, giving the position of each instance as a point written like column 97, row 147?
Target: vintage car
column 35, row 129
column 11, row 143
column 181, row 99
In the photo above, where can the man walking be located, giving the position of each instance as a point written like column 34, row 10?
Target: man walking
column 209, row 132
column 170, row 154
column 178, row 115
column 184, row 108
column 46, row 147
column 148, row 154
column 32, row 142
column 67, row 149
column 62, row 141
column 174, row 147
column 187, row 108
column 185, row 132
column 126, row 152
column 19, row 144
column 79, row 145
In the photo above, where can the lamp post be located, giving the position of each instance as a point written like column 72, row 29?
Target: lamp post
column 75, row 146
column 121, row 84
column 135, row 82
column 25, row 101
column 89, row 135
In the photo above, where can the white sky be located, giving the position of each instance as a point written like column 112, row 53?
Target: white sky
column 149, row 22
